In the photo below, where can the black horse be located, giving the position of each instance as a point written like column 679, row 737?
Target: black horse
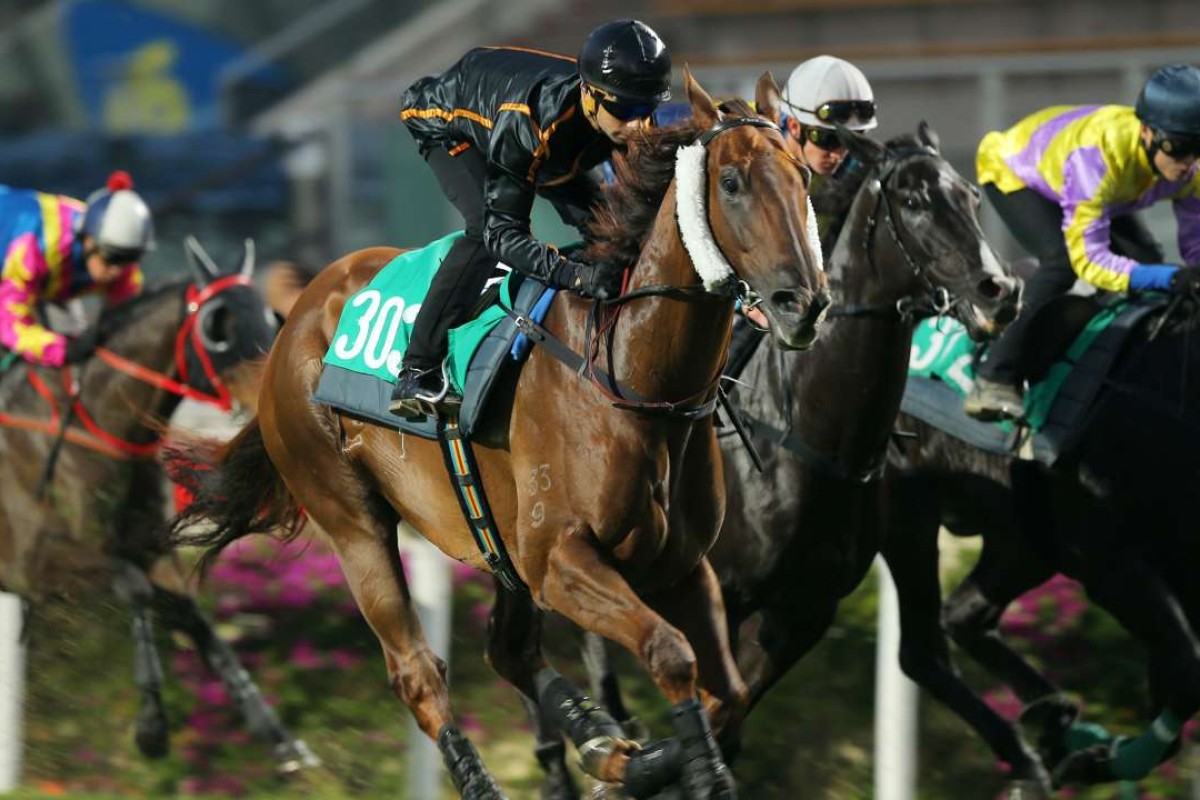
column 801, row 535
column 83, row 496
column 1115, row 513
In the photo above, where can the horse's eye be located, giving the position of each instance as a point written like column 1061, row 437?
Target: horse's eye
column 912, row 202
column 729, row 184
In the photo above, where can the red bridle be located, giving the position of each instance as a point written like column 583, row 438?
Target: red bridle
column 96, row 438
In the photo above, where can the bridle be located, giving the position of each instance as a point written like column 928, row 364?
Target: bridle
column 718, row 280
column 933, row 300
column 93, row 437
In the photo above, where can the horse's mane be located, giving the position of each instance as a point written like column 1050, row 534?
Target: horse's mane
column 832, row 199
column 643, row 173
column 117, row 317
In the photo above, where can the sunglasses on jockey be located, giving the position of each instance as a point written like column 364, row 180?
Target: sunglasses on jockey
column 622, row 111
column 1177, row 147
column 839, row 112
column 115, row 257
column 824, row 138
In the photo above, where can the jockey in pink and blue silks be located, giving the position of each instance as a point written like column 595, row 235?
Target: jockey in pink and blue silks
column 55, row 249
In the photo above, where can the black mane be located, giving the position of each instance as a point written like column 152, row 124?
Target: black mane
column 117, row 317
column 832, row 199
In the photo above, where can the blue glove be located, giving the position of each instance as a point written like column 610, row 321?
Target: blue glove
column 1151, row 276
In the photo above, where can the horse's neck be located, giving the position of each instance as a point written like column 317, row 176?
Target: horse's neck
column 665, row 348
column 846, row 392
column 122, row 404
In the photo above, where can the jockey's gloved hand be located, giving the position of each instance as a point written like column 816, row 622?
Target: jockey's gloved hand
column 82, row 347
column 1151, row 276
column 601, row 281
column 1186, row 280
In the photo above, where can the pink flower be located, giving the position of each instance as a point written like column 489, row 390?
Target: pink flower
column 305, row 656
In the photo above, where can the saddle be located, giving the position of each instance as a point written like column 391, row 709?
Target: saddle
column 1072, row 346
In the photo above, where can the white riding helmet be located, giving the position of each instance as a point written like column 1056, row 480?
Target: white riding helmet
column 119, row 220
column 825, row 91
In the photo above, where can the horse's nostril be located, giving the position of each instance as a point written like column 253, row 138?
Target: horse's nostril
column 1005, row 314
column 991, row 289
column 786, row 299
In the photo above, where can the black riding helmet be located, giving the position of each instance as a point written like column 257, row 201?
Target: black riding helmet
column 626, row 59
column 1170, row 101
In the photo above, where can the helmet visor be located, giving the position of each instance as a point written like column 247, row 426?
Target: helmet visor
column 839, row 112
column 1176, row 146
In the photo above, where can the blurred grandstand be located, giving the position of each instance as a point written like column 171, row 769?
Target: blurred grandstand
column 277, row 118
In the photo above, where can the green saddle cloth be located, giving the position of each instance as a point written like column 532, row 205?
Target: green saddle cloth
column 942, row 349
column 376, row 323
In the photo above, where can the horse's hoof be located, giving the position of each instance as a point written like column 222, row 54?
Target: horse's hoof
column 484, row 788
column 152, row 739
column 294, row 756
column 1086, row 767
column 152, row 735
column 1048, row 719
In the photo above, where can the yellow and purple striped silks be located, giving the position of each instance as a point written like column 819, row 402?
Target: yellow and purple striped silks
column 1090, row 160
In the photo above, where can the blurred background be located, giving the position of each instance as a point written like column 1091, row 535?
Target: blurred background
column 278, row 119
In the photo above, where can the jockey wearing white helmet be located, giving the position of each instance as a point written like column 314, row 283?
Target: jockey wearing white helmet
column 820, row 94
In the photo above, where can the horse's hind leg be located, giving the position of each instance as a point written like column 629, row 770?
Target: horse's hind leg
column 582, row 585
column 151, row 733
column 363, row 533
column 180, row 612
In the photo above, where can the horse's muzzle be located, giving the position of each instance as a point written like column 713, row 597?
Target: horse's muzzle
column 796, row 316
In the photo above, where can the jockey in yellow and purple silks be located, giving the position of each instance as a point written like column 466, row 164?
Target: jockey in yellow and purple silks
column 1066, row 181
column 54, row 249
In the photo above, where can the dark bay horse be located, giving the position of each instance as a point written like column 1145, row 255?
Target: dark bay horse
column 1117, row 514
column 800, row 536
column 100, row 522
column 607, row 513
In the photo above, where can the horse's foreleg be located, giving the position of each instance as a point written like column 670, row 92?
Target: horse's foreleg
column 514, row 651
column 912, row 555
column 696, row 608
column 1122, row 584
column 151, row 734
column 582, row 585
column 180, row 613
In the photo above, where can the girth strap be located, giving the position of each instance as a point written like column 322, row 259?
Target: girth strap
column 821, row 462
column 468, row 488
column 578, row 364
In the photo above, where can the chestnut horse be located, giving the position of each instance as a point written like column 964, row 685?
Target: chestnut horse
column 606, row 512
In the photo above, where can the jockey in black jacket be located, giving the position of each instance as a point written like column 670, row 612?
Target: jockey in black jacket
column 505, row 124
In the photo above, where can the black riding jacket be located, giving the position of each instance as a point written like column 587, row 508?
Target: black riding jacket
column 521, row 108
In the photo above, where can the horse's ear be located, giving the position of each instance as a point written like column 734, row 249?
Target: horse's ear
column 247, row 268
column 204, row 269
column 766, row 97
column 704, row 111
column 929, row 137
column 864, row 148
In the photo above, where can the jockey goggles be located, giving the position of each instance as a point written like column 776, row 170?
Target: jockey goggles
column 839, row 112
column 622, row 111
column 1177, row 147
column 116, row 257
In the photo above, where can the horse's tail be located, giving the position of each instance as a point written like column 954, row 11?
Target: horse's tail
column 236, row 491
